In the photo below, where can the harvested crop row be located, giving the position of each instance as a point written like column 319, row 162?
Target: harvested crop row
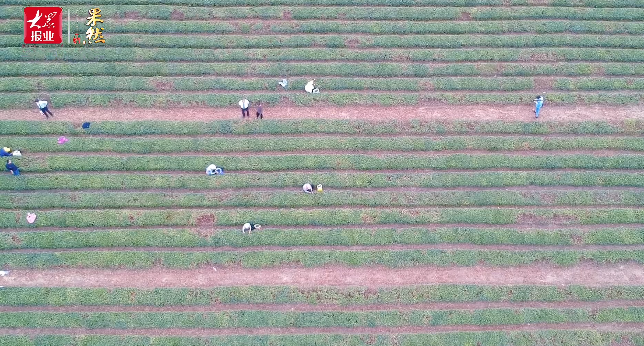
column 324, row 217
column 311, row 258
column 461, row 3
column 83, row 181
column 210, row 235
column 189, row 84
column 400, row 27
column 153, row 69
column 346, row 41
column 59, row 296
column 567, row 337
column 300, row 98
column 598, row 84
column 29, row 84
column 380, row 41
column 361, row 13
column 321, row 54
column 259, row 318
column 257, row 26
column 297, row 144
column 323, row 126
column 18, row 84
column 273, row 163
column 297, row 199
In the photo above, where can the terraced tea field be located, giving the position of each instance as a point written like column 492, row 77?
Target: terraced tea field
column 376, row 52
column 436, row 225
column 426, row 233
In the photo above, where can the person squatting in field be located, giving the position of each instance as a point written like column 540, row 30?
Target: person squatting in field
column 250, row 226
column 214, row 170
column 310, row 87
column 42, row 105
column 11, row 167
column 538, row 103
column 5, row 152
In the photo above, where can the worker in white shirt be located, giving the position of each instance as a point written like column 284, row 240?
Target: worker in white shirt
column 250, row 226
column 243, row 104
column 310, row 87
column 42, row 105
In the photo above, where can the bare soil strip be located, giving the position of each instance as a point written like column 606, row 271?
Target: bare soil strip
column 203, row 332
column 436, row 111
column 356, row 248
column 331, row 307
column 587, row 274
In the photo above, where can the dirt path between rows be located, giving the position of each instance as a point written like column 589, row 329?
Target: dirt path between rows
column 430, row 112
column 373, row 277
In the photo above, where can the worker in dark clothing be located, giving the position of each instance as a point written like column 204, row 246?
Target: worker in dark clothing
column 260, row 110
column 11, row 167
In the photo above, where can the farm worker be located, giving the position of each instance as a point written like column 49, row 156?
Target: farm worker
column 11, row 167
column 243, row 104
column 260, row 110
column 212, row 170
column 42, row 105
column 250, row 226
column 307, row 188
column 538, row 103
column 310, row 87
column 5, row 151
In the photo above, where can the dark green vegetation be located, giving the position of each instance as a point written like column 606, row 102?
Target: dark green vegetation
column 396, row 195
column 406, row 187
column 195, row 53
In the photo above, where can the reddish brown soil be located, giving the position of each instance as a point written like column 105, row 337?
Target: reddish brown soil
column 433, row 112
column 539, row 274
